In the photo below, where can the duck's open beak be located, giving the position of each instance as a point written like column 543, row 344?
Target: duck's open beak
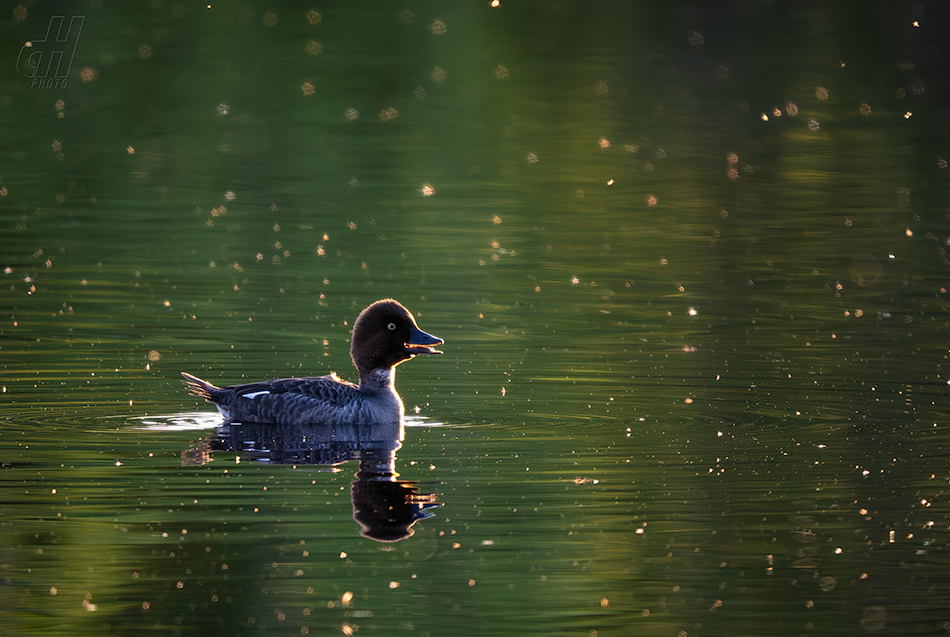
column 419, row 342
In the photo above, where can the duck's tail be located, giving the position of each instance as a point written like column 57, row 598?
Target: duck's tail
column 198, row 387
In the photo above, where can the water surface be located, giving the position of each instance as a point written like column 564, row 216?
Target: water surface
column 689, row 264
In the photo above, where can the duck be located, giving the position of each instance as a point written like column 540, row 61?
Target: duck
column 385, row 334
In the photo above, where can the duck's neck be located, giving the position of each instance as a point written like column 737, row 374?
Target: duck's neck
column 377, row 381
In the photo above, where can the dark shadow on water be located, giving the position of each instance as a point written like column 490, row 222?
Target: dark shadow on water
column 384, row 506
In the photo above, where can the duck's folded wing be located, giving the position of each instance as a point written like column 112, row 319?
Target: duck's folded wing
column 286, row 400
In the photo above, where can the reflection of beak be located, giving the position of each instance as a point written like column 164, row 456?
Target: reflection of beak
column 419, row 343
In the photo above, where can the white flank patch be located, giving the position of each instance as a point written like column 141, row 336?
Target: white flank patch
column 256, row 394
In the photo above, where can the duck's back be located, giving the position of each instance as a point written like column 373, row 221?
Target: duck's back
column 309, row 400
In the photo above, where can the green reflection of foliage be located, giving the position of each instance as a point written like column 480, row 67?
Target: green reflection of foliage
column 669, row 249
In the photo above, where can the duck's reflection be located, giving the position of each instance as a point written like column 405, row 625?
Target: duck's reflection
column 384, row 506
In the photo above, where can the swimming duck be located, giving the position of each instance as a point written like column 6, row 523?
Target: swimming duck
column 384, row 335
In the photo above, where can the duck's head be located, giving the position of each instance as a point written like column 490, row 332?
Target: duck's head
column 385, row 334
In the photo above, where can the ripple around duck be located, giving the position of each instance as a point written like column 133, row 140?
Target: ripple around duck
column 189, row 421
column 199, row 421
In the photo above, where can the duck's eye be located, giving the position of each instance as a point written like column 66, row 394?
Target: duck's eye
column 391, row 326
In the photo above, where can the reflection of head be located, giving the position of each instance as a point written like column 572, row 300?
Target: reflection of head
column 386, row 509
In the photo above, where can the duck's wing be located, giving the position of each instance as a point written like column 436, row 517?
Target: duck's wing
column 308, row 400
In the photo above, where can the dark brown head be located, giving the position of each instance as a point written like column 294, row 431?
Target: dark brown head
column 385, row 334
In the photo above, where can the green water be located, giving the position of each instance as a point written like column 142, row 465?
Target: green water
column 689, row 263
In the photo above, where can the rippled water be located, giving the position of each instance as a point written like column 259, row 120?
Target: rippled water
column 689, row 264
